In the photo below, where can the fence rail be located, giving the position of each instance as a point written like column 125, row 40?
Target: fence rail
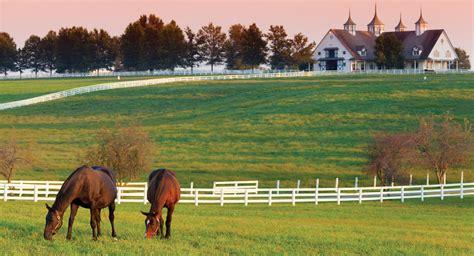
column 136, row 193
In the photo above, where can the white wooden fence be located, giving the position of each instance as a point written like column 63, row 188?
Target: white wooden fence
column 136, row 193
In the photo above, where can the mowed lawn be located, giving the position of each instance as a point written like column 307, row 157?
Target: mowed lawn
column 12, row 90
column 433, row 227
column 263, row 129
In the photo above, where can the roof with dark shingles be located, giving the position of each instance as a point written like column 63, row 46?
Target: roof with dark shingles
column 365, row 39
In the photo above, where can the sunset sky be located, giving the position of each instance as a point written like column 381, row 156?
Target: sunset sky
column 21, row 18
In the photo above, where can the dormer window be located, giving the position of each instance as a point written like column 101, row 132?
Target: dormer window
column 362, row 52
column 416, row 51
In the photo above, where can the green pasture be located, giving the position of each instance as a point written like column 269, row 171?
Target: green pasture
column 432, row 227
column 263, row 129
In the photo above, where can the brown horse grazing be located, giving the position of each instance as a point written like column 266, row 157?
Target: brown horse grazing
column 89, row 187
column 163, row 191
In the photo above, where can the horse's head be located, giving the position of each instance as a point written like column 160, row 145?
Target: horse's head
column 53, row 223
column 152, row 224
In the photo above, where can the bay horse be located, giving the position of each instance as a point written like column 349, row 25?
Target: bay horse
column 163, row 191
column 89, row 187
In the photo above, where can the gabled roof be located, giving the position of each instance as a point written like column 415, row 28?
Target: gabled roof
column 425, row 42
column 355, row 43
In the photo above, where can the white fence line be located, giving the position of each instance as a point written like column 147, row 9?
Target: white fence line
column 136, row 193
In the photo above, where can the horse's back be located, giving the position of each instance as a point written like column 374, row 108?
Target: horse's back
column 164, row 184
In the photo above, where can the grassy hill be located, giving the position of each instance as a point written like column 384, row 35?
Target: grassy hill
column 265, row 129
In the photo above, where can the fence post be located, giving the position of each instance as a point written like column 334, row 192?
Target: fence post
column 246, row 200
column 119, row 195
column 442, row 191
column 21, row 188
column 444, row 178
column 316, row 192
column 270, row 197
column 337, row 184
column 411, row 179
column 298, row 186
column 356, row 182
column 381, row 194
column 5, row 192
column 402, row 194
column 35, row 193
column 145, row 193
column 47, row 189
column 462, row 186
column 338, row 196
column 427, row 179
column 196, row 201
column 222, row 197
column 360, row 195
column 278, row 186
column 293, row 197
column 191, row 188
column 422, row 193
column 375, row 181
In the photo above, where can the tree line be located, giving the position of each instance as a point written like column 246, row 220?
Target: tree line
column 149, row 44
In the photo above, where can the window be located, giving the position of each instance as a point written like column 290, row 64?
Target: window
column 442, row 41
column 344, row 52
column 319, row 53
column 362, row 52
column 436, row 53
column 416, row 51
column 448, row 54
column 331, row 36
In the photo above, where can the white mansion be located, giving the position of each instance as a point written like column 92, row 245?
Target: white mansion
column 350, row 49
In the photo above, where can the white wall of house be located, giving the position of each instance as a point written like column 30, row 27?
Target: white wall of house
column 331, row 41
column 441, row 54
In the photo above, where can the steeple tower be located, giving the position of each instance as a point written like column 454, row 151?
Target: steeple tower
column 376, row 26
column 350, row 25
column 421, row 25
column 400, row 27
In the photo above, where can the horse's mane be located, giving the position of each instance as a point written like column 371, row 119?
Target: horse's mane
column 62, row 192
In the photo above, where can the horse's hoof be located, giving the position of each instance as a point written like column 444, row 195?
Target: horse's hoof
column 115, row 238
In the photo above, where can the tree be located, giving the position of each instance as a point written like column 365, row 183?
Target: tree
column 125, row 150
column 152, row 52
column 388, row 154
column 12, row 156
column 131, row 43
column 34, row 55
column 48, row 50
column 192, row 56
column 254, row 47
column 104, row 48
column 389, row 52
column 280, row 48
column 74, row 52
column 233, row 47
column 463, row 60
column 302, row 51
column 21, row 62
column 173, row 44
column 444, row 145
column 212, row 49
column 7, row 53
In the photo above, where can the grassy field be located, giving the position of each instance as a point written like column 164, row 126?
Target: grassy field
column 11, row 90
column 390, row 228
column 265, row 129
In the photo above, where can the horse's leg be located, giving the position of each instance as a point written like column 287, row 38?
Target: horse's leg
column 169, row 217
column 74, row 208
column 111, row 218
column 98, row 223
column 161, row 226
column 93, row 223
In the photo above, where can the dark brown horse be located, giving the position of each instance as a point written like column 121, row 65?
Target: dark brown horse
column 163, row 191
column 89, row 187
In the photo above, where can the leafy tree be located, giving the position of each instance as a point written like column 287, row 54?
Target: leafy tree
column 254, row 46
column 174, row 45
column 192, row 55
column 48, row 50
column 302, row 51
column 389, row 52
column 444, row 145
column 74, row 50
column 33, row 54
column 152, row 52
column 233, row 47
column 131, row 43
column 12, row 156
column 280, row 48
column 463, row 59
column 21, row 62
column 7, row 53
column 212, row 49
column 104, row 50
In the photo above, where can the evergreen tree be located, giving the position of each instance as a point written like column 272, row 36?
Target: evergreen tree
column 233, row 47
column 302, row 52
column 212, row 49
column 7, row 53
column 48, row 51
column 280, row 48
column 32, row 51
column 192, row 56
column 254, row 47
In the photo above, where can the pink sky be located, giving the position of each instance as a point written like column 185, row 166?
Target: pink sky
column 22, row 18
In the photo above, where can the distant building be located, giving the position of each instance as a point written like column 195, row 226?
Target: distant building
column 350, row 49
